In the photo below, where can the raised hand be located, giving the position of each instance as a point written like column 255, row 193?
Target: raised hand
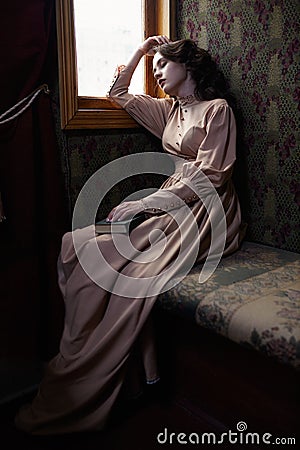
column 151, row 42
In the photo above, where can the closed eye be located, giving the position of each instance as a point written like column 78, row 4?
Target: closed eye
column 160, row 64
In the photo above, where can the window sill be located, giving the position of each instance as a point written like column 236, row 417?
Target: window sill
column 97, row 113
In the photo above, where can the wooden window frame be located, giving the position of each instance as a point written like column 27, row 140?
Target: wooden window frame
column 79, row 112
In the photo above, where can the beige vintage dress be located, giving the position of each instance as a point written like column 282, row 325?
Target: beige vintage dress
column 102, row 328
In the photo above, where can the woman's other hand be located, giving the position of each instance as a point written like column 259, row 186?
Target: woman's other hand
column 153, row 41
column 125, row 210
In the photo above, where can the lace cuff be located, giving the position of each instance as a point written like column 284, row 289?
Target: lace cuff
column 116, row 76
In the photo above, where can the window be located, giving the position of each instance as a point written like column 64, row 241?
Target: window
column 101, row 43
column 79, row 105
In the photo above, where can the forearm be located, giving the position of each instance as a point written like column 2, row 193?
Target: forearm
column 119, row 89
column 165, row 200
column 121, row 82
column 196, row 183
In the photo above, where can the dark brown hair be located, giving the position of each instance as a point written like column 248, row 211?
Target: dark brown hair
column 210, row 81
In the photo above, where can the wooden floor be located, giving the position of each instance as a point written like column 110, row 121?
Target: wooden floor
column 135, row 428
column 208, row 397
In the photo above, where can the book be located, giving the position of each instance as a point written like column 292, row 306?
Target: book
column 122, row 226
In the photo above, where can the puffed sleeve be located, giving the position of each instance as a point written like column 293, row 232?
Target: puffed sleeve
column 209, row 172
column 151, row 113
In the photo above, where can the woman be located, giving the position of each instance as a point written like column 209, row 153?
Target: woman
column 105, row 328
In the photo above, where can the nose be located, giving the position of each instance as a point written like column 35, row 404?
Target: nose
column 157, row 74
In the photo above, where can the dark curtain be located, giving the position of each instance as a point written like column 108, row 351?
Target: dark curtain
column 31, row 184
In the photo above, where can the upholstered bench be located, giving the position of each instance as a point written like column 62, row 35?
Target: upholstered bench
column 253, row 298
column 231, row 346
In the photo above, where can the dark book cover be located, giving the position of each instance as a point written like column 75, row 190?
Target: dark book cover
column 121, row 226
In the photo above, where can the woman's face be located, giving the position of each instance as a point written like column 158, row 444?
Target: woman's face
column 171, row 77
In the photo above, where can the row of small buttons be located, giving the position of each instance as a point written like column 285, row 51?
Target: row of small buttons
column 178, row 126
column 188, row 199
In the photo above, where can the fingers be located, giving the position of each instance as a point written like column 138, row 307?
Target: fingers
column 165, row 39
column 160, row 40
column 153, row 41
column 117, row 213
column 111, row 215
column 125, row 210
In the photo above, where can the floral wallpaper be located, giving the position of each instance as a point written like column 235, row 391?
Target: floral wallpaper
column 86, row 152
column 256, row 42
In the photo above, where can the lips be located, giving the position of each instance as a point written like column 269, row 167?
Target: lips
column 161, row 83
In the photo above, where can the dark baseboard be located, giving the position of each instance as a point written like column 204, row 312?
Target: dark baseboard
column 211, row 375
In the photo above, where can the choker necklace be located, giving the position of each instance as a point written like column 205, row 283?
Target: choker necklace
column 186, row 100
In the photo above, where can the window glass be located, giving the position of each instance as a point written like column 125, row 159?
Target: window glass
column 107, row 32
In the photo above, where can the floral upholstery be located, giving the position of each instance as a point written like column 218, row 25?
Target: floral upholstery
column 253, row 298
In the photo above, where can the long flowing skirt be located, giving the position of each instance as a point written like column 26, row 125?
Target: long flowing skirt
column 107, row 313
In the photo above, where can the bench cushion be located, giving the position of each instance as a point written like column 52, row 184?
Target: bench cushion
column 253, row 298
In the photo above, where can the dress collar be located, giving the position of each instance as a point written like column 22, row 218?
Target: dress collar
column 187, row 100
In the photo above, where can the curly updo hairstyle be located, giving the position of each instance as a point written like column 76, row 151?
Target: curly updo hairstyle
column 210, row 81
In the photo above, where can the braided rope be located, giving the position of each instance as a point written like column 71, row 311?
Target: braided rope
column 30, row 98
